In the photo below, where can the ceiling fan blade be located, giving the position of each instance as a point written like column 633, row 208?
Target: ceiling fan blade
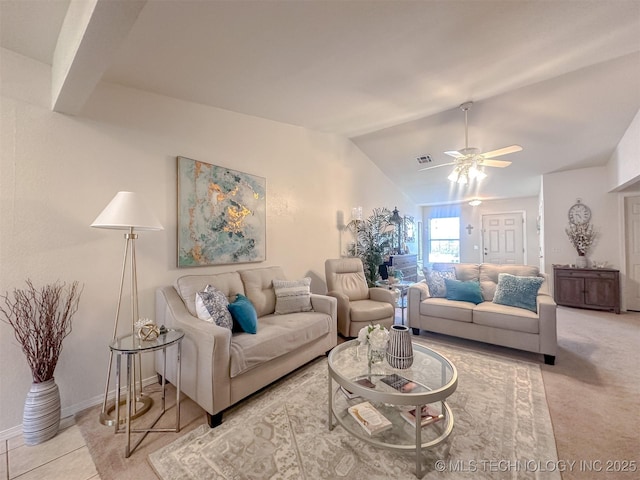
column 495, row 163
column 437, row 166
column 454, row 154
column 502, row 151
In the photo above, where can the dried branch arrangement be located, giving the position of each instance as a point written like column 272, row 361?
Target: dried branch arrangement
column 41, row 319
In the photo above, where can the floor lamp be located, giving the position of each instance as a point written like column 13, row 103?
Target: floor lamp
column 127, row 211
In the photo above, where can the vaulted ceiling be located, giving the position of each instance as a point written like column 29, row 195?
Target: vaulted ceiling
column 560, row 78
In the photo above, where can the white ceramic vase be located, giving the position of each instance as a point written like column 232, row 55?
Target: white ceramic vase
column 581, row 261
column 399, row 347
column 41, row 418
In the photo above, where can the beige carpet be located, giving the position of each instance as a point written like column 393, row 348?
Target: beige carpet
column 593, row 391
column 593, row 394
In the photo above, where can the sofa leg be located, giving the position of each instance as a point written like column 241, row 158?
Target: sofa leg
column 416, row 331
column 549, row 359
column 214, row 420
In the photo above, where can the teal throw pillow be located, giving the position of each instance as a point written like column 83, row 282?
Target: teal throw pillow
column 464, row 291
column 516, row 291
column 244, row 314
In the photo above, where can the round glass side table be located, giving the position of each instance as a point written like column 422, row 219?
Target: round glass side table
column 129, row 346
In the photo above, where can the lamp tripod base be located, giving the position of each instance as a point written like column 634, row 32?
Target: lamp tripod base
column 143, row 405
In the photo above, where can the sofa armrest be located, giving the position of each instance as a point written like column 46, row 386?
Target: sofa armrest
column 342, row 310
column 325, row 304
column 205, row 351
column 548, row 331
column 380, row 294
column 419, row 290
column 416, row 294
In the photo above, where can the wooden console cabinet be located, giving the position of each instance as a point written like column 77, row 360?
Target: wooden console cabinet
column 408, row 264
column 597, row 289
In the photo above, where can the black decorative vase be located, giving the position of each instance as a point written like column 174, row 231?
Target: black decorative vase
column 399, row 347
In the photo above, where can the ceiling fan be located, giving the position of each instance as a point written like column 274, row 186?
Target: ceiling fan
column 469, row 162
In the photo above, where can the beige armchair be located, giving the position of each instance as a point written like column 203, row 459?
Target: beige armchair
column 358, row 305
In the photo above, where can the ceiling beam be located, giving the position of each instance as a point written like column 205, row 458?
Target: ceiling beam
column 90, row 36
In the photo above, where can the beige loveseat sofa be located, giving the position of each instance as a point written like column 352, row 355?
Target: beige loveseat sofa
column 220, row 368
column 487, row 321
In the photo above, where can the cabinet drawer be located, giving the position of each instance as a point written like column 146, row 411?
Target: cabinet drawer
column 586, row 274
column 404, row 261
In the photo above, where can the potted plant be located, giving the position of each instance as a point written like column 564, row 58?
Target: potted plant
column 373, row 237
column 41, row 319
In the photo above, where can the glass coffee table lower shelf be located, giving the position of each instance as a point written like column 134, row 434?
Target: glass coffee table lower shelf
column 431, row 379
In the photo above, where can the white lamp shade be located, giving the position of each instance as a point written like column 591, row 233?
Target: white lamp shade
column 127, row 210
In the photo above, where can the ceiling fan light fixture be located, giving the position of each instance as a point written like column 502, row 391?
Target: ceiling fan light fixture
column 476, row 173
column 475, row 202
column 453, row 176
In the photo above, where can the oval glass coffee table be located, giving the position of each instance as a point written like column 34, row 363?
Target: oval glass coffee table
column 393, row 393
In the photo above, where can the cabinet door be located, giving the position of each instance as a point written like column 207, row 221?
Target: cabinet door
column 600, row 292
column 569, row 291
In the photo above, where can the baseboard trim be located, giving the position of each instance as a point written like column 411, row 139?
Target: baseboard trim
column 67, row 413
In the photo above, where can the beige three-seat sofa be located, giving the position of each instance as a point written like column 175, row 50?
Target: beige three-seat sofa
column 220, row 368
column 488, row 322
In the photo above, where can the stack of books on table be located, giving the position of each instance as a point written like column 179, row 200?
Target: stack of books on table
column 429, row 415
column 369, row 418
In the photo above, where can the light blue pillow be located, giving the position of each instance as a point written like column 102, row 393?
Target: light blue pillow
column 518, row 291
column 244, row 314
column 464, row 291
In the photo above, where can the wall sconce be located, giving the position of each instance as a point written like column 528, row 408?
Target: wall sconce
column 356, row 216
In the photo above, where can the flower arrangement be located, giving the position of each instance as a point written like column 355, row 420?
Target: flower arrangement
column 374, row 335
column 581, row 237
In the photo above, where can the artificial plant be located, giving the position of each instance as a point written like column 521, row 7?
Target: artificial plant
column 373, row 237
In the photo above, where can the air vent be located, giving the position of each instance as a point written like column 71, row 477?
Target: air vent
column 424, row 159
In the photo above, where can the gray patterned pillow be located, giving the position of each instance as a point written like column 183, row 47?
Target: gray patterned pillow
column 211, row 306
column 435, row 281
column 292, row 295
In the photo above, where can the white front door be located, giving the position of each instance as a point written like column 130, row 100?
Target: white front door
column 632, row 242
column 502, row 238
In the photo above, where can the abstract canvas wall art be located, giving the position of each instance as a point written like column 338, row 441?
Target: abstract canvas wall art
column 221, row 215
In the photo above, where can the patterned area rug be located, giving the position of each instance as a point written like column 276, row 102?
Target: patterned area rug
column 502, row 430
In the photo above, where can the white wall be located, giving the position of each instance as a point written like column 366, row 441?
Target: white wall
column 596, row 187
column 58, row 172
column 560, row 192
column 471, row 244
column 623, row 168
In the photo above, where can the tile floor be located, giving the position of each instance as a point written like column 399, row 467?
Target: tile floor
column 64, row 457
